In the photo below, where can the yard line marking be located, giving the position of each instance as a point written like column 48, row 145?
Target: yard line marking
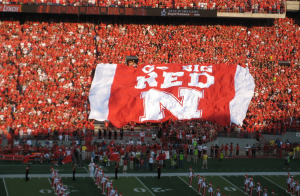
column 144, row 185
column 49, row 181
column 231, row 183
column 273, row 182
column 187, row 184
column 5, row 187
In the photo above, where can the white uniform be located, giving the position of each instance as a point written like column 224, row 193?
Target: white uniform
column 92, row 168
column 112, row 193
column 258, row 190
column 210, row 190
column 265, row 194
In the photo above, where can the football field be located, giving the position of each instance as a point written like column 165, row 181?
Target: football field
column 141, row 185
column 229, row 178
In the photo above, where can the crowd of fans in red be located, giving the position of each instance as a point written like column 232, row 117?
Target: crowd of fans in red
column 46, row 68
column 254, row 6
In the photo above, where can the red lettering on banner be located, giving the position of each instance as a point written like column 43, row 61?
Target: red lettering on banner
column 122, row 10
column 92, row 10
column 103, row 10
column 82, row 9
column 56, row 9
column 113, row 11
column 47, row 8
column 72, row 10
column 64, row 9
column 142, row 12
column 129, row 11
column 39, row 9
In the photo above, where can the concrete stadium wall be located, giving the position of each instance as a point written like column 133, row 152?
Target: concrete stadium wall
column 290, row 136
column 292, row 6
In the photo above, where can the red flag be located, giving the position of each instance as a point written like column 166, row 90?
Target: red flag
column 115, row 156
column 26, row 159
column 218, row 93
column 67, row 159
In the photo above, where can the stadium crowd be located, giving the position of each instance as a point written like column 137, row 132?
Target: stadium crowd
column 254, row 6
column 46, row 68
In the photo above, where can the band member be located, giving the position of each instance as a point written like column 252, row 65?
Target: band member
column 199, row 184
column 210, row 190
column 251, row 186
column 273, row 193
column 288, row 181
column 246, row 183
column 293, row 185
column 297, row 188
column 103, row 183
column 218, row 192
column 203, row 186
column 191, row 174
column 258, row 188
column 266, row 192
column 92, row 168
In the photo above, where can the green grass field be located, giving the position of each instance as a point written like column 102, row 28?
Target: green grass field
column 228, row 178
column 140, row 186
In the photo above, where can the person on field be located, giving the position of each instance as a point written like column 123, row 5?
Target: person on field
column 288, row 182
column 74, row 171
column 191, row 175
column 92, row 168
column 287, row 161
column 221, row 159
column 246, row 181
column 27, row 172
column 258, row 189
column 199, row 184
column 251, row 185
column 116, row 171
column 158, row 170
column 203, row 186
column 204, row 161
column 210, row 189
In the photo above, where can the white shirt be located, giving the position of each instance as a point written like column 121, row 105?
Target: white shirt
column 29, row 142
column 142, row 134
column 199, row 148
column 210, row 190
column 91, row 165
column 190, row 174
column 112, row 192
column 151, row 160
column 103, row 180
column 200, row 181
column 108, row 184
column 258, row 189
column 251, row 184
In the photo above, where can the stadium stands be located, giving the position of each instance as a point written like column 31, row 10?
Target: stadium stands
column 46, row 68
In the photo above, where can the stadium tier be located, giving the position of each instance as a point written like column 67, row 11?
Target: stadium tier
column 47, row 67
column 51, row 64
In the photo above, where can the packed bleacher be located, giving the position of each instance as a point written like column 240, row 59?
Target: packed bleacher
column 237, row 6
column 46, row 68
